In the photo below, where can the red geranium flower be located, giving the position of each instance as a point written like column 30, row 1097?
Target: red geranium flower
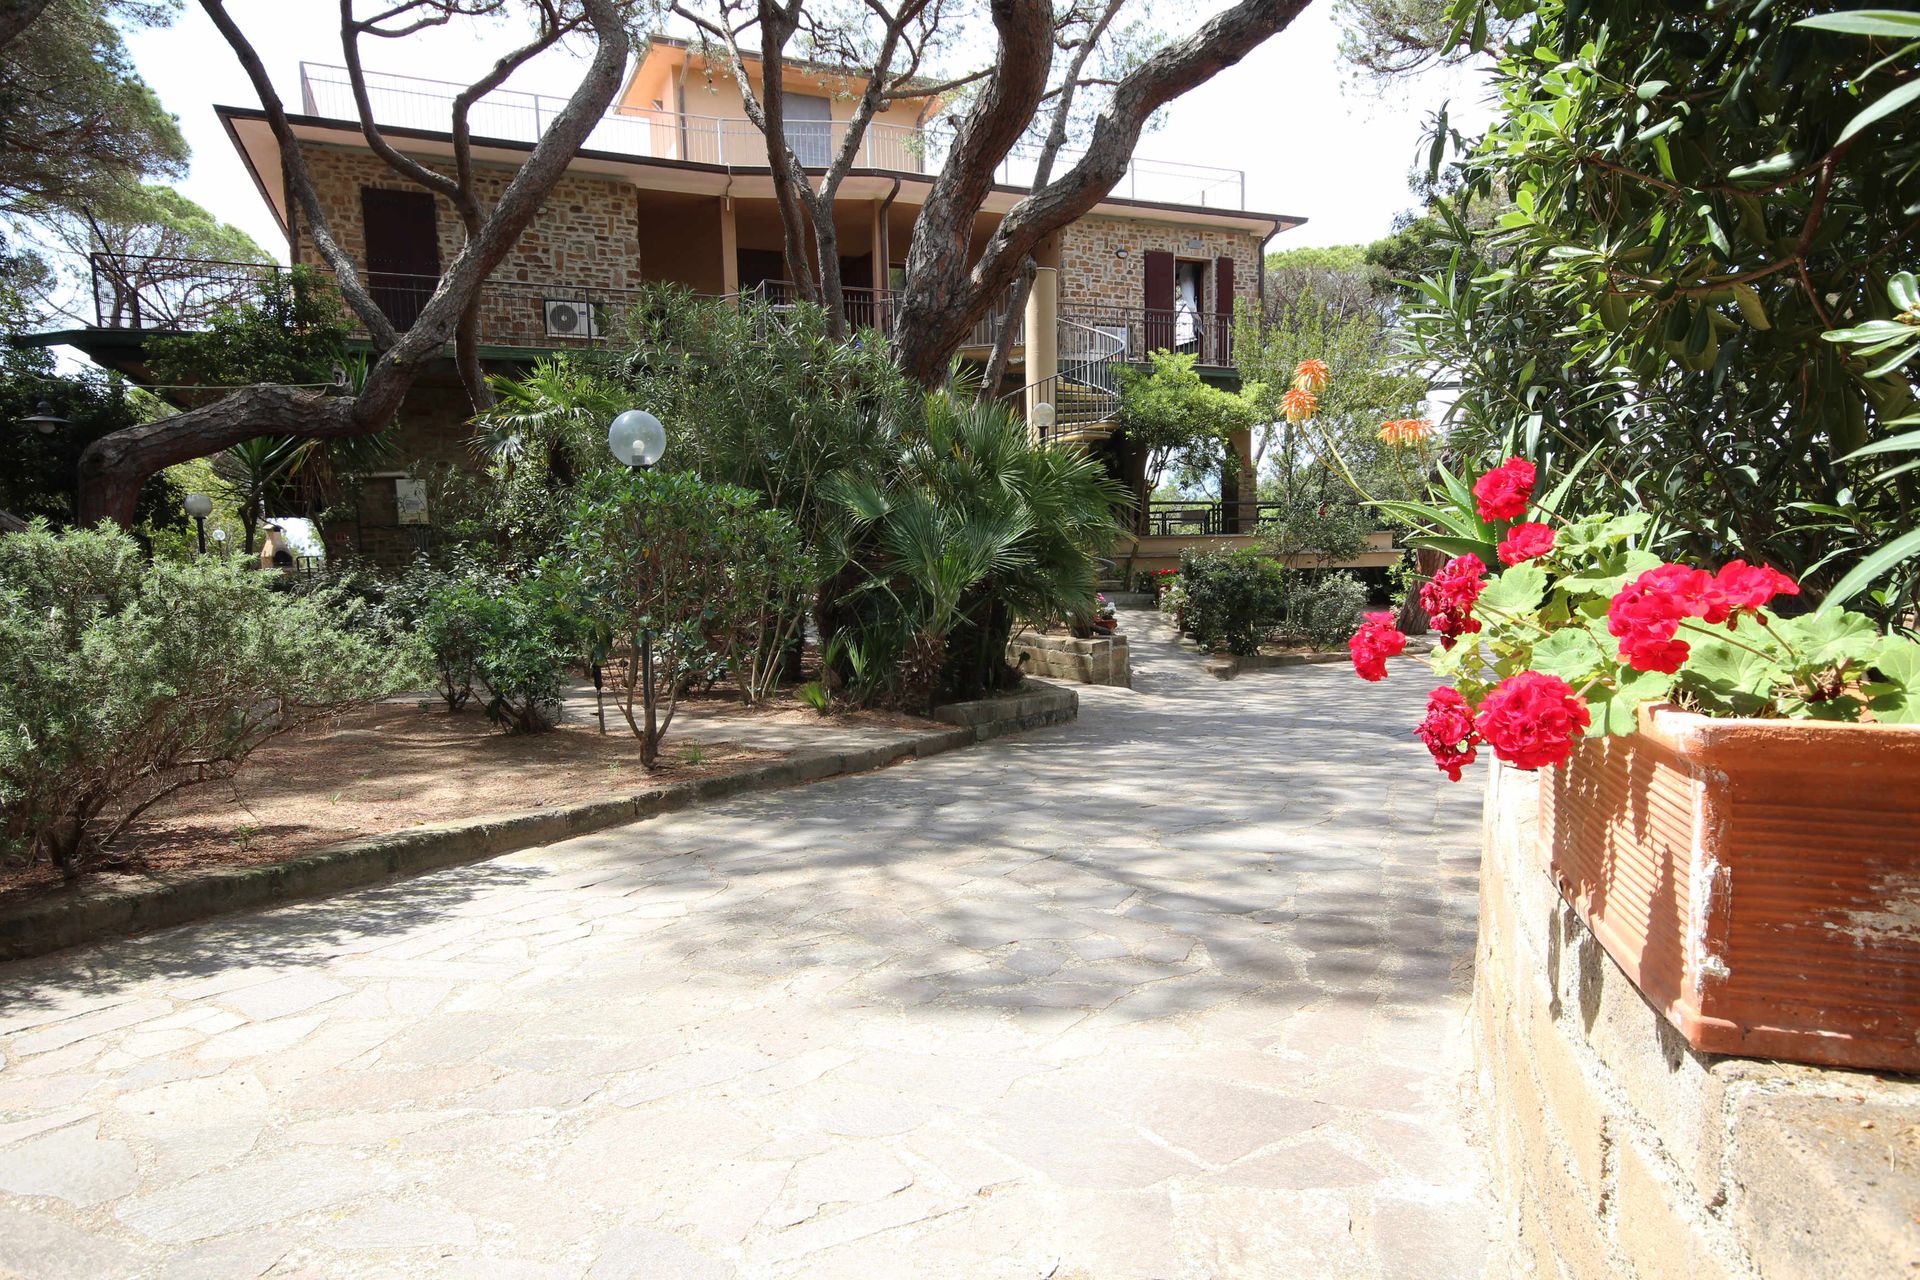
column 1448, row 731
column 1376, row 641
column 1696, row 591
column 1449, row 597
column 1748, row 586
column 1645, row 615
column 1503, row 493
column 1524, row 542
column 1531, row 719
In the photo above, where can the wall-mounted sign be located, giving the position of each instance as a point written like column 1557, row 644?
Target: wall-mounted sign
column 410, row 501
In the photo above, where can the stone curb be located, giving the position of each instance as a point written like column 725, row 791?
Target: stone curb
column 161, row 901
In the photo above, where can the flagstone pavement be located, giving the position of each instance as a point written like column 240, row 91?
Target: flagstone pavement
column 1176, row 991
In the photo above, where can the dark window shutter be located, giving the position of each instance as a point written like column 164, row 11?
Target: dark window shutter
column 1159, row 317
column 403, row 250
column 1223, row 306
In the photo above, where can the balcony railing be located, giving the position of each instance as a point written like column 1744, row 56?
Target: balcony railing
column 1182, row 517
column 513, row 115
column 1205, row 334
column 137, row 292
column 875, row 309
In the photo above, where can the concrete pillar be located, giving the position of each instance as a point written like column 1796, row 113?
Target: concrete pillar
column 1240, row 492
column 1043, row 323
column 882, row 300
column 729, row 249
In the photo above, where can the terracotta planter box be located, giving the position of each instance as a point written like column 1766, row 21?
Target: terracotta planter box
column 1758, row 880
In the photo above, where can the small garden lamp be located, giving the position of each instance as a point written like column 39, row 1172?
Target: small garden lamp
column 1044, row 416
column 200, row 506
column 44, row 420
column 637, row 439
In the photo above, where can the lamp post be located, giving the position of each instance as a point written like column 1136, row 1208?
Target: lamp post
column 200, row 506
column 45, row 420
column 638, row 441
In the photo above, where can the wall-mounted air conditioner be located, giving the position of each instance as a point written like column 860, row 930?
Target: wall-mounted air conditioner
column 570, row 318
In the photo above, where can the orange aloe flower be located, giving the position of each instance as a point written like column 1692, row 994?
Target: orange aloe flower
column 1298, row 405
column 1406, row 430
column 1310, row 376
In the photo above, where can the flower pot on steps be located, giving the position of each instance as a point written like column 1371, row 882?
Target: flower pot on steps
column 1758, row 880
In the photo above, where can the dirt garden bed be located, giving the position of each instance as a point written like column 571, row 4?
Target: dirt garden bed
column 405, row 763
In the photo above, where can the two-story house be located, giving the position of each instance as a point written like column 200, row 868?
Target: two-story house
column 673, row 185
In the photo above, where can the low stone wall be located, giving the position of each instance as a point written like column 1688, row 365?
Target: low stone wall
column 1624, row 1155
column 1098, row 661
column 1035, row 704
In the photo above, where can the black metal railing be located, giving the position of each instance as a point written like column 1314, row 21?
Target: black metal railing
column 135, row 292
column 1203, row 517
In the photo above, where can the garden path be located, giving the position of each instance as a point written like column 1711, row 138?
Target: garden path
column 1177, row 991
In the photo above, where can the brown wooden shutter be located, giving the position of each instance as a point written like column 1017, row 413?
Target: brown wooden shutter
column 1223, row 308
column 1159, row 301
column 401, row 230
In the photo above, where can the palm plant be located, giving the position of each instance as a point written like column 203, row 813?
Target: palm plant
column 252, row 469
column 977, row 527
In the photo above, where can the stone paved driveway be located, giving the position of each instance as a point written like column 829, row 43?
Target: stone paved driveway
column 1174, row 992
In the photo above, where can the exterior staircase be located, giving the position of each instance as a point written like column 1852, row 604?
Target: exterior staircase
column 1085, row 393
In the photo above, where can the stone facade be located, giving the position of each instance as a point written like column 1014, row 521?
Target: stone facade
column 584, row 242
column 1622, row 1153
column 1094, row 276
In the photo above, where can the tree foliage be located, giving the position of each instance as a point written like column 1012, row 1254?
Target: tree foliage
column 1687, row 219
column 1180, row 420
column 39, row 471
column 78, row 125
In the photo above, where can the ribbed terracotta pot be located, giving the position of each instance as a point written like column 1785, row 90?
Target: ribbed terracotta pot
column 1759, row 880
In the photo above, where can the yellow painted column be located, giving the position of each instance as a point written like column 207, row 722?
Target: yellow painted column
column 1043, row 325
column 729, row 250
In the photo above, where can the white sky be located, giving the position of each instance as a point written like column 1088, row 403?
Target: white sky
column 1310, row 144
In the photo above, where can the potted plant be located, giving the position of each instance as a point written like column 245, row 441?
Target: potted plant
column 1734, row 807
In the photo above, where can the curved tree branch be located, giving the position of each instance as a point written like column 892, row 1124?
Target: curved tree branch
column 113, row 467
column 945, row 298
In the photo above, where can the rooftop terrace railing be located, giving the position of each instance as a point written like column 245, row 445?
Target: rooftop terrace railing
column 514, row 115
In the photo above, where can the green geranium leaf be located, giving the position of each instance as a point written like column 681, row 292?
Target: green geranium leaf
column 1613, row 571
column 1570, row 653
column 1897, row 699
column 1727, row 676
column 1617, row 709
column 1830, row 638
column 1518, row 590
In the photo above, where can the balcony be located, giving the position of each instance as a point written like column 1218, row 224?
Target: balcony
column 513, row 115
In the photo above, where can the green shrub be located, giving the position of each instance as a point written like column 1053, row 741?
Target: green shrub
column 698, row 573
column 1326, row 609
column 122, row 682
column 443, row 611
column 1232, row 598
column 510, row 635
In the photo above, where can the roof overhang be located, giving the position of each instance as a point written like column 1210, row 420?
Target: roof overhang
column 259, row 150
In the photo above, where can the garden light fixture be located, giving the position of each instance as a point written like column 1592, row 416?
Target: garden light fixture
column 200, row 506
column 1044, row 416
column 637, row 439
column 44, row 420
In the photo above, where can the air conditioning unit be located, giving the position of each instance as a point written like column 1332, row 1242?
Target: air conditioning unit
column 570, row 318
